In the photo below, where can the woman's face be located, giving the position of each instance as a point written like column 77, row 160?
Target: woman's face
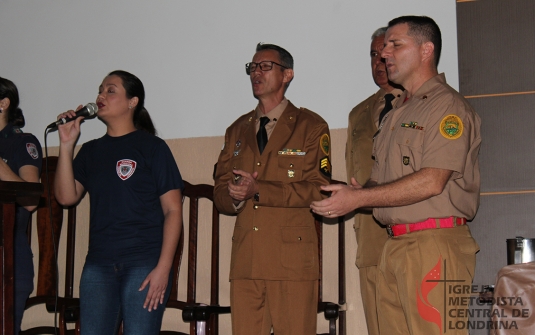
column 112, row 99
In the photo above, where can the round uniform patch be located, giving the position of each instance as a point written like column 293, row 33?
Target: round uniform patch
column 451, row 127
column 325, row 144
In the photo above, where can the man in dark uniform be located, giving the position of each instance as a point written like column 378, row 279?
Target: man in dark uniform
column 274, row 160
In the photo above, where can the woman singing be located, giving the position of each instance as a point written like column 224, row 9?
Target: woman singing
column 134, row 187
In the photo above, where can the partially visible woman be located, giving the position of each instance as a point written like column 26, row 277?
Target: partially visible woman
column 21, row 161
column 136, row 211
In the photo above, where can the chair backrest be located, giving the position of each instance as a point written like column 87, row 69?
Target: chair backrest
column 195, row 193
column 49, row 224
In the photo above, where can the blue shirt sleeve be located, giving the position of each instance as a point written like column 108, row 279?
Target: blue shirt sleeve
column 29, row 152
column 79, row 164
column 165, row 170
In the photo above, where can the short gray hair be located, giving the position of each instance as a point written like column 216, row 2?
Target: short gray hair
column 379, row 32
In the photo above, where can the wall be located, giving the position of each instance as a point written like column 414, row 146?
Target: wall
column 496, row 47
column 190, row 54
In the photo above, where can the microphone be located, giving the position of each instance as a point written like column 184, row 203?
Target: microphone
column 87, row 111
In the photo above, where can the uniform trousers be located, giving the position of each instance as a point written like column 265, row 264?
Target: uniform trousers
column 291, row 307
column 418, row 281
column 368, row 279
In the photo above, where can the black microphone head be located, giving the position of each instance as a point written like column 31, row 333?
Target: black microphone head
column 89, row 111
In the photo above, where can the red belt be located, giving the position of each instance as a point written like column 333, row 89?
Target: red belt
column 405, row 228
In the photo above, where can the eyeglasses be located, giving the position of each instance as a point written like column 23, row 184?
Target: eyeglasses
column 264, row 66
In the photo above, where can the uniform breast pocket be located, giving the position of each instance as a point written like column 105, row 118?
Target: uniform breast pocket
column 290, row 168
column 410, row 143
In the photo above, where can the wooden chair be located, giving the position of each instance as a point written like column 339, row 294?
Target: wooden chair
column 49, row 225
column 192, row 309
column 333, row 311
column 11, row 193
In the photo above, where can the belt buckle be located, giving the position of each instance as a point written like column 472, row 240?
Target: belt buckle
column 389, row 231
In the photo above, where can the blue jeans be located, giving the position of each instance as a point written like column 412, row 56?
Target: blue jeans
column 109, row 294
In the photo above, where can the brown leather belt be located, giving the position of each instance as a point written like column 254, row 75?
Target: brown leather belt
column 405, row 228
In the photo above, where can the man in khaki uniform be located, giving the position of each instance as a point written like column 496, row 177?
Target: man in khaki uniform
column 363, row 124
column 424, row 186
column 274, row 268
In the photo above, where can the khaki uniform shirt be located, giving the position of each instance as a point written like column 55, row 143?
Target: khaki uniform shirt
column 275, row 237
column 436, row 128
column 362, row 125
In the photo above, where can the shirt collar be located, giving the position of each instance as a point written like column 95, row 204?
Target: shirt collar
column 273, row 114
column 9, row 130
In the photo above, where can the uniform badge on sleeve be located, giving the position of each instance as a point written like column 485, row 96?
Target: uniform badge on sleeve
column 32, row 150
column 325, row 166
column 126, row 168
column 325, row 144
column 451, row 127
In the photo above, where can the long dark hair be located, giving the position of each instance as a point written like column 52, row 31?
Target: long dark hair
column 14, row 113
column 134, row 88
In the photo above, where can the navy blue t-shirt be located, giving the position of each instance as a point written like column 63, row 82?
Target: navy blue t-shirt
column 17, row 150
column 125, row 177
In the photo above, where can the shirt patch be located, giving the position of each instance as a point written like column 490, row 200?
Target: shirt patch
column 32, row 150
column 125, row 168
column 325, row 144
column 451, row 127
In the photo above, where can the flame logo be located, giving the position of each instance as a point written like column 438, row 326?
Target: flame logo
column 427, row 311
